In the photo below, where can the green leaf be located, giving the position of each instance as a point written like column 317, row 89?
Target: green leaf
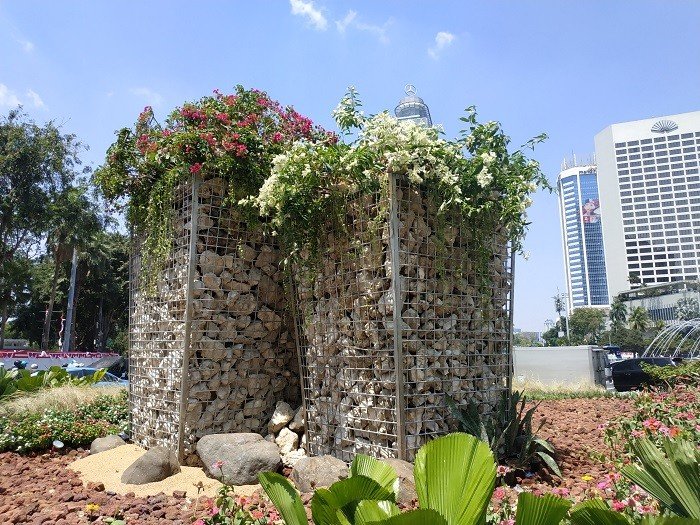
column 668, row 520
column 369, row 511
column 544, row 444
column 285, row 498
column 454, row 476
column 414, row 517
column 343, row 496
column 596, row 512
column 544, row 510
column 673, row 480
column 549, row 461
column 377, row 470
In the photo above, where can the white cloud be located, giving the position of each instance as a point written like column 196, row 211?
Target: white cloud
column 351, row 20
column 151, row 97
column 345, row 22
column 8, row 97
column 442, row 40
column 26, row 45
column 35, row 99
column 307, row 9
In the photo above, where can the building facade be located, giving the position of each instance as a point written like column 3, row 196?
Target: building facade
column 661, row 301
column 648, row 177
column 582, row 236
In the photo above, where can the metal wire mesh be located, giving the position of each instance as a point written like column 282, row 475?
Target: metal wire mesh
column 399, row 313
column 233, row 333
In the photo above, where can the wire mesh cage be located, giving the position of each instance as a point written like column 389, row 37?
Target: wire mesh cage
column 395, row 315
column 217, row 312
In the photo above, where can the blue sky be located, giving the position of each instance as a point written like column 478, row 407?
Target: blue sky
column 561, row 67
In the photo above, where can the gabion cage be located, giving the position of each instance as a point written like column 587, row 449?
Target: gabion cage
column 217, row 311
column 399, row 313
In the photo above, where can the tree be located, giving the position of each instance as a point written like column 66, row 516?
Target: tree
column 628, row 340
column 618, row 313
column 586, row 325
column 36, row 163
column 75, row 220
column 687, row 308
column 639, row 319
column 634, row 278
column 559, row 305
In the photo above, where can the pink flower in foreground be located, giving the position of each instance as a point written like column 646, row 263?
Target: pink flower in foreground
column 200, row 521
column 499, row 493
column 619, row 506
column 509, row 521
column 603, row 485
column 502, row 470
column 214, row 510
column 217, row 465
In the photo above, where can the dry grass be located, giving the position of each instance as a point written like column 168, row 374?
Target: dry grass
column 60, row 398
column 581, row 389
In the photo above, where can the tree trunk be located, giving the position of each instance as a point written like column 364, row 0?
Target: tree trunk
column 3, row 322
column 49, row 308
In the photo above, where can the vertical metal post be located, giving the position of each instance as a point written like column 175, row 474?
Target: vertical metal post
column 186, row 343
column 394, row 231
column 302, row 376
column 511, row 293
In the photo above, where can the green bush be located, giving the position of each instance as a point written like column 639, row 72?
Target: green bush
column 687, row 372
column 26, row 432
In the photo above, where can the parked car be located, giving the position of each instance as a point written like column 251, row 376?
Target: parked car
column 628, row 374
column 107, row 380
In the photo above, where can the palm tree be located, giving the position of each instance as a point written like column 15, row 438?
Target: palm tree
column 618, row 313
column 639, row 319
column 75, row 219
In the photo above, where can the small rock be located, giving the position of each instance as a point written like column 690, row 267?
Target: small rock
column 155, row 465
column 179, row 494
column 320, row 471
column 287, row 441
column 293, row 457
column 283, row 414
column 243, row 457
column 106, row 443
column 298, row 423
column 407, row 486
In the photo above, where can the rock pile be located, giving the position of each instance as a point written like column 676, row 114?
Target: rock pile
column 287, row 429
column 430, row 289
column 231, row 305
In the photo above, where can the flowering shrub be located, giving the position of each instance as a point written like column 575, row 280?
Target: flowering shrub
column 36, row 431
column 658, row 414
column 475, row 175
column 233, row 137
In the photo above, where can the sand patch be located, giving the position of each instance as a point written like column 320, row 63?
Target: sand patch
column 107, row 468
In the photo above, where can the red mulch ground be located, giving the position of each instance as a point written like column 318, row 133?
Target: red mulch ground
column 41, row 490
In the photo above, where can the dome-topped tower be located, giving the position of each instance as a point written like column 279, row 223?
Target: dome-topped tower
column 412, row 107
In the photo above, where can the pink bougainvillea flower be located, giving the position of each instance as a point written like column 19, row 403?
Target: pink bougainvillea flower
column 277, row 137
column 196, row 168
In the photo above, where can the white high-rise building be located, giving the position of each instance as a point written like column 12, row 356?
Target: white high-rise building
column 582, row 235
column 650, row 200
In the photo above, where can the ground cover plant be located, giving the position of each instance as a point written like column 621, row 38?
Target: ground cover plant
column 74, row 426
column 18, row 382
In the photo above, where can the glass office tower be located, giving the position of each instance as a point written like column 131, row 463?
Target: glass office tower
column 582, row 237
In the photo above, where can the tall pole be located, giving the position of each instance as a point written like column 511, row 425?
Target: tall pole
column 71, row 298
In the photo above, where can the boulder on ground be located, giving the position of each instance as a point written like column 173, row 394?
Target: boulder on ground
column 319, row 471
column 156, row 464
column 292, row 458
column 282, row 415
column 238, row 458
column 106, row 443
column 407, row 486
